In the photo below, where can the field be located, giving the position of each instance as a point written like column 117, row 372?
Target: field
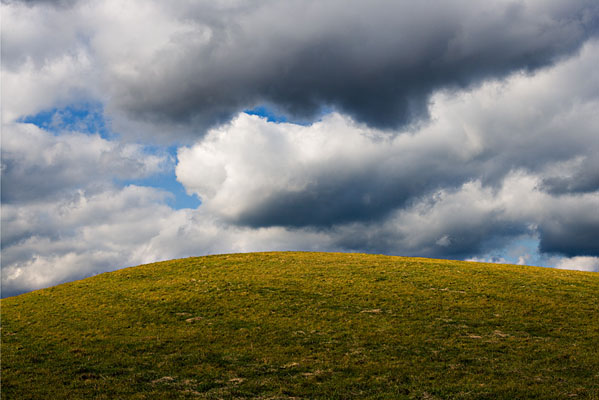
column 293, row 325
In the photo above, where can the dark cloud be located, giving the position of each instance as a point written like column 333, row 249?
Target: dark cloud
column 177, row 70
column 573, row 233
column 378, row 62
column 475, row 233
column 366, row 195
column 583, row 179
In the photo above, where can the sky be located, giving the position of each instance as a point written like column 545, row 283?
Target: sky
column 136, row 131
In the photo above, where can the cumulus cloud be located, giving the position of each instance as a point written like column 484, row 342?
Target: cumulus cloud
column 580, row 175
column 188, row 66
column 85, row 234
column 475, row 219
column 64, row 216
column 258, row 173
column 76, row 236
column 572, row 229
column 45, row 63
column 37, row 165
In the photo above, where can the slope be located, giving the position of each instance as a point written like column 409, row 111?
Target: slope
column 307, row 325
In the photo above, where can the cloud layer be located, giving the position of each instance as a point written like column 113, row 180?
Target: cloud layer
column 184, row 66
column 512, row 146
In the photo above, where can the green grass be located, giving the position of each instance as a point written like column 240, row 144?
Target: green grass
column 307, row 326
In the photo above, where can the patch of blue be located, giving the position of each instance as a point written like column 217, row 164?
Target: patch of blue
column 168, row 182
column 522, row 246
column 85, row 118
column 88, row 118
column 272, row 115
column 268, row 113
column 531, row 244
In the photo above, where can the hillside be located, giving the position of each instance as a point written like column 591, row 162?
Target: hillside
column 307, row 325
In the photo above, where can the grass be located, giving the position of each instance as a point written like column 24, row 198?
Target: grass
column 307, row 326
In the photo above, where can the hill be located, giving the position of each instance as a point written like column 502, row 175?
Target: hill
column 293, row 325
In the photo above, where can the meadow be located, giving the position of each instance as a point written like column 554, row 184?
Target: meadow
column 298, row 325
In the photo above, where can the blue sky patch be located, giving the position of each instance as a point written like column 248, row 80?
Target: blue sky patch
column 88, row 118
column 272, row 115
column 268, row 113
column 85, row 118
column 166, row 181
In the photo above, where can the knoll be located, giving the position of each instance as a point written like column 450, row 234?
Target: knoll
column 293, row 325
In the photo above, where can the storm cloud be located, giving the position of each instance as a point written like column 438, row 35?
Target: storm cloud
column 197, row 65
column 378, row 62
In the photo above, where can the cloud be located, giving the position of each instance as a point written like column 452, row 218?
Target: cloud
column 572, row 230
column 180, row 69
column 378, row 62
column 84, row 234
column 37, row 165
column 580, row 263
column 578, row 176
column 45, row 62
column 256, row 172
column 475, row 176
column 474, row 220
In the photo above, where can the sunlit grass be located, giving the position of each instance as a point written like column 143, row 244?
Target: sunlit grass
column 307, row 325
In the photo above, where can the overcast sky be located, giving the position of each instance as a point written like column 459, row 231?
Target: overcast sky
column 138, row 131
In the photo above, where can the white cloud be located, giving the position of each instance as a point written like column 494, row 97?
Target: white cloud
column 60, row 81
column 37, row 164
column 580, row 263
column 258, row 173
column 246, row 162
column 73, row 238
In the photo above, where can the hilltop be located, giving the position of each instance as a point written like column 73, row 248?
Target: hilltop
column 294, row 325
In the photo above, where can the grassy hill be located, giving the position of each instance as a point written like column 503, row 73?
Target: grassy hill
column 305, row 326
